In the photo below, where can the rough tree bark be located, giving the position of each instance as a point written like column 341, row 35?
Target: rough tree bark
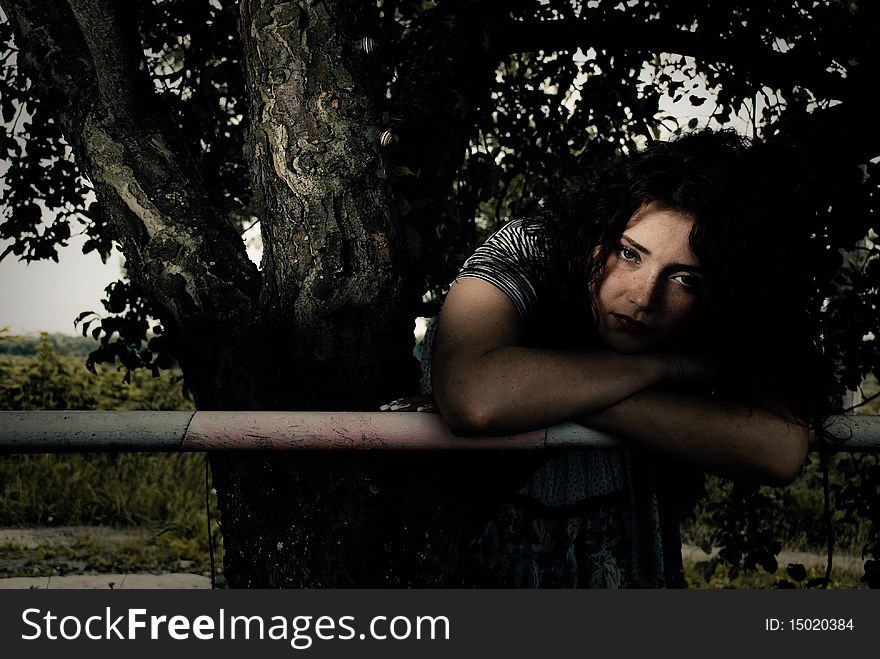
column 334, row 271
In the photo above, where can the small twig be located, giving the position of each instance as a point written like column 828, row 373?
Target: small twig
column 754, row 114
column 867, row 400
column 252, row 225
column 208, row 511
column 829, row 529
column 14, row 127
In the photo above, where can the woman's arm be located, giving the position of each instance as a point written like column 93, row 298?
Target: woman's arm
column 485, row 382
column 728, row 439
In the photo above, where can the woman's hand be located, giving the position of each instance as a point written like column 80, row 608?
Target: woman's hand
column 411, row 404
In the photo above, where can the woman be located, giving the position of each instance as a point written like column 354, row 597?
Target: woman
column 650, row 306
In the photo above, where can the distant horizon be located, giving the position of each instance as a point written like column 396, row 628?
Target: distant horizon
column 36, row 333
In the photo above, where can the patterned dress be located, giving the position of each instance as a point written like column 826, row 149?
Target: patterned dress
column 590, row 519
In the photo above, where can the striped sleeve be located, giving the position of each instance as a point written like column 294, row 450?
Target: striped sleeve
column 509, row 261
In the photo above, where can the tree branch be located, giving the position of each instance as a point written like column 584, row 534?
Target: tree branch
column 116, row 55
column 625, row 33
column 185, row 256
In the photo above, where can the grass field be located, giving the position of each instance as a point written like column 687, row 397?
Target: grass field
column 161, row 497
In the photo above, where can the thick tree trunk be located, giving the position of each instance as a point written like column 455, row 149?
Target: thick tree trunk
column 334, row 270
column 334, row 312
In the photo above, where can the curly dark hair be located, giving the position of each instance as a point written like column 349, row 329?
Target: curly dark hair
column 754, row 312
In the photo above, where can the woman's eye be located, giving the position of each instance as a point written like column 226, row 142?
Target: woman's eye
column 628, row 254
column 690, row 282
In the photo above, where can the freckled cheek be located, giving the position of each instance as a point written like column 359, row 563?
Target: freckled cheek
column 606, row 294
column 611, row 287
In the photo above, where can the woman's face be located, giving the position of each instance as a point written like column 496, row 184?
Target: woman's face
column 652, row 283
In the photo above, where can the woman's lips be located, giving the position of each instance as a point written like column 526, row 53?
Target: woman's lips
column 630, row 324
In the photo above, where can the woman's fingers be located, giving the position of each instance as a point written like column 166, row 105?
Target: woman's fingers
column 410, row 404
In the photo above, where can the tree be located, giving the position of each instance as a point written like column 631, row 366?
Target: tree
column 375, row 143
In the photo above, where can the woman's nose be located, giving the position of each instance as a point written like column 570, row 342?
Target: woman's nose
column 645, row 293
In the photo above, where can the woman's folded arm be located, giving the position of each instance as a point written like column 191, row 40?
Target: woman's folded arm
column 486, row 383
column 729, row 439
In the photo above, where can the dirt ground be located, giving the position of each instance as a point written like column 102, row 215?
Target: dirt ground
column 109, row 581
column 73, row 575
column 29, row 541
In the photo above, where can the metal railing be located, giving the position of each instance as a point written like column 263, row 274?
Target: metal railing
column 74, row 431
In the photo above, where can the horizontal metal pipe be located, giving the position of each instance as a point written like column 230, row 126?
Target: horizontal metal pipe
column 338, row 430
column 854, row 433
column 70, row 431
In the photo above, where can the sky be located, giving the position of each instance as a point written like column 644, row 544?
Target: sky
column 45, row 296
column 48, row 296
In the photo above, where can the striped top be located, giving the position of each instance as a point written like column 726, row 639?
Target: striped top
column 512, row 261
